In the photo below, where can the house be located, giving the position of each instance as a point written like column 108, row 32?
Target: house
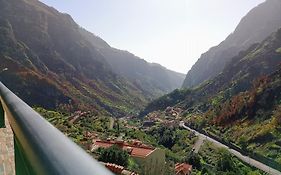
column 151, row 160
column 183, row 169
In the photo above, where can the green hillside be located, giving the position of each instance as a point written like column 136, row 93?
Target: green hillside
column 241, row 105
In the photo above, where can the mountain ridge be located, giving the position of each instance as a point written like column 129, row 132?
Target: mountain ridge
column 241, row 106
column 46, row 52
column 151, row 77
column 258, row 60
column 253, row 28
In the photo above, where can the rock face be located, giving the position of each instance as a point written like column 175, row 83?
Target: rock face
column 258, row 24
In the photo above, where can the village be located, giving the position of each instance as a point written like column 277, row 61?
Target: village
column 150, row 159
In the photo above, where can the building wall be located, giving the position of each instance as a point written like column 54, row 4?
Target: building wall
column 153, row 164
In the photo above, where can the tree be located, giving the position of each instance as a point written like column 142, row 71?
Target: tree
column 194, row 160
column 243, row 143
column 225, row 162
column 204, row 171
column 167, row 139
column 254, row 173
column 115, row 155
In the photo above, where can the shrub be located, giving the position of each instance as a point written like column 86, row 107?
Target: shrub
column 115, row 155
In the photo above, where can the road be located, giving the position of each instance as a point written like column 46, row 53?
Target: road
column 246, row 159
column 198, row 143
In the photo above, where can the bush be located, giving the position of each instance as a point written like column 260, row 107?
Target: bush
column 194, row 160
column 167, row 139
column 115, row 155
column 225, row 162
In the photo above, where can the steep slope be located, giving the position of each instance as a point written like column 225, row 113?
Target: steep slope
column 238, row 76
column 241, row 106
column 251, row 119
column 51, row 64
column 154, row 79
column 150, row 77
column 253, row 28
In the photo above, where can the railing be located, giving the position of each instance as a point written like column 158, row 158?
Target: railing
column 40, row 148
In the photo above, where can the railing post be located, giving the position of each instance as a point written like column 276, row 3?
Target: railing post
column 22, row 165
column 2, row 116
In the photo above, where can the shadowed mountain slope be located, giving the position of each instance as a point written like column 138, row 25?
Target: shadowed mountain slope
column 51, row 64
column 152, row 78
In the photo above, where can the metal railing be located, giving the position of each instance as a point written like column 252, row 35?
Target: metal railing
column 40, row 148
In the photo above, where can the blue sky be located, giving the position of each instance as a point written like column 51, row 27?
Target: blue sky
column 173, row 33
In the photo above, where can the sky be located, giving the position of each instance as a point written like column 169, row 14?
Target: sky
column 173, row 33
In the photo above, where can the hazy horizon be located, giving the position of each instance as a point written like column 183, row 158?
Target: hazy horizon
column 159, row 31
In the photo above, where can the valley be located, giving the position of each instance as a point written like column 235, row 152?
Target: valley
column 136, row 117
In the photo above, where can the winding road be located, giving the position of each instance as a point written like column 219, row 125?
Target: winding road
column 245, row 159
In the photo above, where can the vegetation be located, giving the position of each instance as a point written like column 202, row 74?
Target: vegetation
column 115, row 155
column 216, row 160
column 258, row 112
column 242, row 106
column 210, row 160
column 48, row 73
column 178, row 141
column 77, row 130
column 170, row 99
column 194, row 160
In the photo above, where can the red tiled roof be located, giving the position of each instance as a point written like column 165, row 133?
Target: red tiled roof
column 114, row 168
column 103, row 144
column 118, row 169
column 134, row 150
column 183, row 168
column 141, row 152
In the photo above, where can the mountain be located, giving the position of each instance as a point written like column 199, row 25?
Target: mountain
column 50, row 64
column 54, row 62
column 251, row 119
column 237, row 76
column 151, row 78
column 240, row 106
column 258, row 24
